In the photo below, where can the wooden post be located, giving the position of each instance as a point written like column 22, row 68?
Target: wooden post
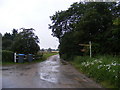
column 90, row 49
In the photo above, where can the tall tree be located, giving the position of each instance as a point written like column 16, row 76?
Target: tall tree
column 26, row 42
column 14, row 33
column 88, row 21
column 7, row 41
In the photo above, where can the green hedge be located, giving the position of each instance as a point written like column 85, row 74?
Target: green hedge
column 7, row 56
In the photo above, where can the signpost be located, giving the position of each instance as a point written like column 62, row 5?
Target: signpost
column 88, row 45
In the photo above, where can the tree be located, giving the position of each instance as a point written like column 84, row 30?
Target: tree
column 0, row 43
column 14, row 33
column 26, row 42
column 49, row 49
column 7, row 41
column 88, row 21
column 69, row 46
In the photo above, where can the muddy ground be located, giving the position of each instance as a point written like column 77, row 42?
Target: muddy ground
column 48, row 74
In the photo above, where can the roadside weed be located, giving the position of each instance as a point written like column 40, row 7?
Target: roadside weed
column 101, row 68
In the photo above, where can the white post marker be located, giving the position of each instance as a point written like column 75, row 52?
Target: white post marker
column 90, row 49
column 15, row 57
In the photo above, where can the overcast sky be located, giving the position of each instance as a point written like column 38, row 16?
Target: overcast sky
column 32, row 14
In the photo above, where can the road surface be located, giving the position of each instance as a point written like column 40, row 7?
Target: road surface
column 48, row 74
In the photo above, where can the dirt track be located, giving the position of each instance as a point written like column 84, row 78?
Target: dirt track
column 48, row 74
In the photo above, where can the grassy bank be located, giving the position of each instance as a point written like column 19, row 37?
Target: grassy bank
column 103, row 69
column 45, row 56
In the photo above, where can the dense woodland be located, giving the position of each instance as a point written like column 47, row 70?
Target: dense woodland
column 98, row 22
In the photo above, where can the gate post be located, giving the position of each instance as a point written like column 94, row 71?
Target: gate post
column 15, row 57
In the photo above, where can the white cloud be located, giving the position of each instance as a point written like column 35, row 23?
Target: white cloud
column 32, row 14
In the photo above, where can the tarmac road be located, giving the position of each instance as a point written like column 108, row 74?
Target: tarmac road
column 48, row 74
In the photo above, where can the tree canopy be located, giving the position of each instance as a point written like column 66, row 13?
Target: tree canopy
column 88, row 21
column 23, row 42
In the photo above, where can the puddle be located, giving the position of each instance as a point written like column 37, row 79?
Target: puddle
column 48, row 77
column 6, row 69
column 50, row 70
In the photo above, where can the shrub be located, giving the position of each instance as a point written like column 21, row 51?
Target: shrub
column 7, row 56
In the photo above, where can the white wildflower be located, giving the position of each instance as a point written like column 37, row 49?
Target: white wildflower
column 100, row 61
column 116, row 76
column 96, row 60
column 83, row 63
column 114, row 64
column 113, row 70
column 92, row 63
column 109, row 66
column 99, row 66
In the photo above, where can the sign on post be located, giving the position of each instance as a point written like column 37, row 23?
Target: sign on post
column 88, row 45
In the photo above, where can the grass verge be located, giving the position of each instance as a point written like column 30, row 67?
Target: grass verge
column 46, row 55
column 104, row 69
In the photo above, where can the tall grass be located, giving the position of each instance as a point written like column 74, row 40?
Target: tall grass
column 104, row 69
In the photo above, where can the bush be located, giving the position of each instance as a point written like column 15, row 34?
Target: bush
column 7, row 56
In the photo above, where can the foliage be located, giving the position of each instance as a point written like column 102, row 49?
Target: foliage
column 29, row 42
column 97, row 22
column 0, row 48
column 8, row 39
column 49, row 49
column 88, row 21
column 101, row 68
column 23, row 42
column 7, row 56
column 68, row 46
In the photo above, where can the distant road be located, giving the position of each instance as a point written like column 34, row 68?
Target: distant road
column 48, row 74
